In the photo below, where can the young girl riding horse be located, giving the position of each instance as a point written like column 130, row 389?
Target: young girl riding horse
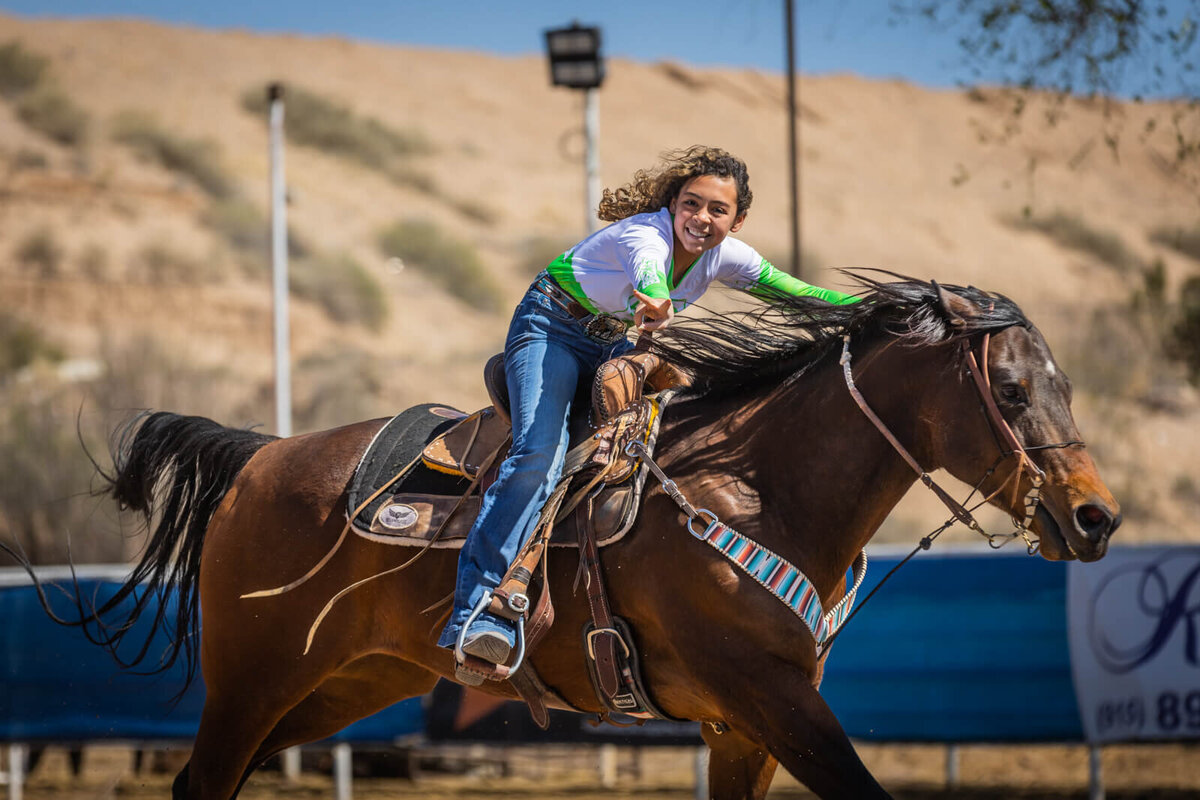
column 668, row 242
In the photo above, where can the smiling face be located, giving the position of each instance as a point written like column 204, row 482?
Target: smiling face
column 706, row 211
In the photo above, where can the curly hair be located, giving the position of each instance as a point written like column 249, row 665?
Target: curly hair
column 655, row 188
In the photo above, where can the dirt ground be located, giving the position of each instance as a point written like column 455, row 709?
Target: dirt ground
column 1163, row 772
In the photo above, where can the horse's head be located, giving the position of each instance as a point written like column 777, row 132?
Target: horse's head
column 1019, row 439
column 1032, row 398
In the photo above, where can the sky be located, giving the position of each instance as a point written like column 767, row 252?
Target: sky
column 861, row 36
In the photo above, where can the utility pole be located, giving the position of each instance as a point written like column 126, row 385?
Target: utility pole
column 789, row 25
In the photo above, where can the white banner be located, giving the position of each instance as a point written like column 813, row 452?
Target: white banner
column 1134, row 631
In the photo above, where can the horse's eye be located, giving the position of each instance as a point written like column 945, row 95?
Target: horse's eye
column 1013, row 393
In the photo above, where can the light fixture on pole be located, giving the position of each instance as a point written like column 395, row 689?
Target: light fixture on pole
column 576, row 62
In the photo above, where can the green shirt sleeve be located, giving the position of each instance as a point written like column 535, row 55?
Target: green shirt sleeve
column 771, row 280
column 649, row 277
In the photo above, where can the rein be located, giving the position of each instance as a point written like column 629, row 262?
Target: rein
column 1000, row 429
column 1004, row 435
column 793, row 588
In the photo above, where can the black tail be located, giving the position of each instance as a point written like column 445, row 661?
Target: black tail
column 190, row 462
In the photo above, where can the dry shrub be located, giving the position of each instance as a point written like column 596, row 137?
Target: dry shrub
column 94, row 263
column 196, row 159
column 1184, row 339
column 40, row 252
column 247, row 229
column 406, row 175
column 451, row 263
column 476, row 211
column 342, row 287
column 21, row 344
column 1073, row 232
column 1125, row 351
column 339, row 385
column 160, row 264
column 538, row 251
column 50, row 423
column 316, row 121
column 28, row 158
column 43, row 503
column 1184, row 240
column 20, row 69
column 52, row 113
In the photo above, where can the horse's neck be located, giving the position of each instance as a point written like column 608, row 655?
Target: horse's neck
column 824, row 478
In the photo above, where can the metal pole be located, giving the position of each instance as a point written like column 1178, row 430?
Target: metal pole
column 591, row 127
column 700, row 770
column 1095, row 774
column 951, row 766
column 793, row 133
column 17, row 753
column 608, row 766
column 343, row 771
column 291, row 764
column 279, row 266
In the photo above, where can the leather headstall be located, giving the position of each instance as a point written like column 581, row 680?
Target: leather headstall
column 1007, row 441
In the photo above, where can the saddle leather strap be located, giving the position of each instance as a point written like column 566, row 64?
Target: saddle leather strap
column 602, row 639
column 516, row 581
column 533, row 691
column 542, row 616
column 510, row 599
column 608, row 644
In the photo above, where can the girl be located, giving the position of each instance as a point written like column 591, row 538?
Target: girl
column 668, row 242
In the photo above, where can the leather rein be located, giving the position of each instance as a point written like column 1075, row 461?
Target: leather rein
column 766, row 567
column 1003, row 434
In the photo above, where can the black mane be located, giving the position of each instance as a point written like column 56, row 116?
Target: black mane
column 727, row 353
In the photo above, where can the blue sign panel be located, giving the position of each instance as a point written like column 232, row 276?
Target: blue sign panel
column 957, row 647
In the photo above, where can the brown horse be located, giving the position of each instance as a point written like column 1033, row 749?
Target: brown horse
column 769, row 439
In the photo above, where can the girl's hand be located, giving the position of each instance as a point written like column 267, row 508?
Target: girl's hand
column 652, row 313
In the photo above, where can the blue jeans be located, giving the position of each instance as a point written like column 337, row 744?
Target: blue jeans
column 546, row 354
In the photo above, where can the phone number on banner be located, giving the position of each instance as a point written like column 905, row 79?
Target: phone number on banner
column 1168, row 713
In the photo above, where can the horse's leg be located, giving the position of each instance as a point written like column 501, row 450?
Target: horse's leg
column 792, row 720
column 232, row 728
column 354, row 692
column 737, row 767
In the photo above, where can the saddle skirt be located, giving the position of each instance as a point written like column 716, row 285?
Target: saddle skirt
column 412, row 479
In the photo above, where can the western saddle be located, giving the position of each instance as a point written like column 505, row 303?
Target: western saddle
column 620, row 412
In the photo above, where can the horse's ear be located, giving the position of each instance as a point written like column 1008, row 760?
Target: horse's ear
column 955, row 307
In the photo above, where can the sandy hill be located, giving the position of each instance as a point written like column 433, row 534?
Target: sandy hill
column 141, row 281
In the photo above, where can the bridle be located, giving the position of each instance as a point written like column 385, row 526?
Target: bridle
column 1006, row 441
column 774, row 572
column 1004, row 436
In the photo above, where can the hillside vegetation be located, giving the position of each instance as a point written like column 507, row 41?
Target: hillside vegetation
column 426, row 188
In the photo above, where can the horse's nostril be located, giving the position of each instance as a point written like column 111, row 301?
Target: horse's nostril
column 1094, row 521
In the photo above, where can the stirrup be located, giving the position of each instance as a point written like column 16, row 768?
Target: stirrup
column 461, row 657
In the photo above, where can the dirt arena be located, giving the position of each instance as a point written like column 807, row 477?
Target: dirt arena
column 545, row 772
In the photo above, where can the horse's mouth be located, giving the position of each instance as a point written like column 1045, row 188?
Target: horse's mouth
column 1055, row 544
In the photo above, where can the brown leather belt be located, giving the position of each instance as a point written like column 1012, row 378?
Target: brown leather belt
column 549, row 287
column 602, row 327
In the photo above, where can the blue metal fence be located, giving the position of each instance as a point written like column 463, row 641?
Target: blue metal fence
column 55, row 685
column 958, row 647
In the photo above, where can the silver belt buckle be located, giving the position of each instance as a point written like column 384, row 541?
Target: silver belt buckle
column 605, row 328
